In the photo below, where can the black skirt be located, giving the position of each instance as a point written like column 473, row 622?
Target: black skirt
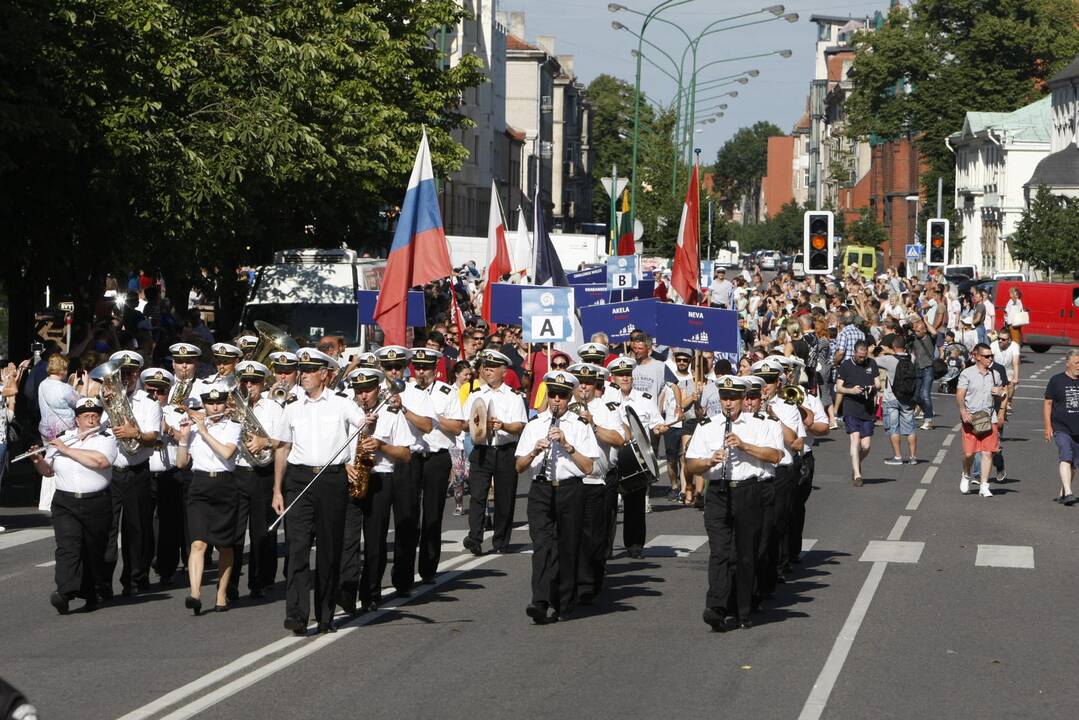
column 212, row 504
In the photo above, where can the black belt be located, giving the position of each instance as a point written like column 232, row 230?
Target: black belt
column 156, row 473
column 426, row 454
column 82, row 495
column 211, row 474
column 316, row 468
column 555, row 482
column 133, row 468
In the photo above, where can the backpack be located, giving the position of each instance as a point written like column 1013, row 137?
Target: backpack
column 906, row 380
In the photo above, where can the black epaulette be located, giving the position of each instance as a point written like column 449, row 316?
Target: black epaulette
column 291, row 399
column 446, row 389
column 612, row 406
column 177, row 408
column 646, row 395
column 341, row 393
column 705, row 421
column 393, row 409
column 582, row 419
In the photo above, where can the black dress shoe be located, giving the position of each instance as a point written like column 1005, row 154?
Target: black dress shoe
column 128, row 591
column 404, row 592
column 328, row 628
column 504, row 550
column 347, row 602
column 430, row 580
column 586, row 598
column 90, row 605
column 714, row 618
column 745, row 624
column 258, row 593
column 473, row 545
column 193, row 603
column 538, row 612
column 232, row 595
column 142, row 586
column 61, row 602
column 370, row 606
column 221, row 608
column 297, row 626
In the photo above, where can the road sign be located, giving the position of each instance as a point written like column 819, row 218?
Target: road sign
column 914, row 252
column 619, row 185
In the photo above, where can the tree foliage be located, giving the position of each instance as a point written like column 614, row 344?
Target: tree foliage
column 612, row 131
column 741, row 164
column 172, row 134
column 783, row 232
column 932, row 62
column 866, row 231
column 1047, row 237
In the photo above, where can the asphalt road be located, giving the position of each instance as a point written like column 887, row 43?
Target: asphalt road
column 912, row 601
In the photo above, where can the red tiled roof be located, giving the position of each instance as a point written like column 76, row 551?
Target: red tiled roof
column 515, row 134
column 515, row 43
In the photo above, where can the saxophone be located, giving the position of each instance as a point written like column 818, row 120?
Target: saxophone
column 117, row 404
column 365, row 461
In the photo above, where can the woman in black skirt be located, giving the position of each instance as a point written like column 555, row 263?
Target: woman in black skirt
column 208, row 442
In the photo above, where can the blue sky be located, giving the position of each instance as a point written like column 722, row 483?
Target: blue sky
column 583, row 29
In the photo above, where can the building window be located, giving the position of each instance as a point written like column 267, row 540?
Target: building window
column 805, row 178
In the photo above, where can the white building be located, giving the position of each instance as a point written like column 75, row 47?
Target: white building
column 1060, row 170
column 995, row 154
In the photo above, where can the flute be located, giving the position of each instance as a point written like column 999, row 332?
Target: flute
column 78, row 436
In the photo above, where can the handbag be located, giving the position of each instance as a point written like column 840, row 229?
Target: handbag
column 981, row 422
column 940, row 368
column 1020, row 318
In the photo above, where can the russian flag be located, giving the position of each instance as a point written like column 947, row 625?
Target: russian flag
column 419, row 253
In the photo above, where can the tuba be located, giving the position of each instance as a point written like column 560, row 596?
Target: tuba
column 793, row 395
column 117, row 404
column 241, row 412
column 271, row 339
column 181, row 391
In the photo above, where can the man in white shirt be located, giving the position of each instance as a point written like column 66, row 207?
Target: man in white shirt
column 722, row 290
column 493, row 459
column 81, row 463
column 1006, row 353
column 735, row 451
column 132, row 501
column 556, row 451
column 166, row 489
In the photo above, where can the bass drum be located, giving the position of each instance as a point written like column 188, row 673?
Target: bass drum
column 637, row 465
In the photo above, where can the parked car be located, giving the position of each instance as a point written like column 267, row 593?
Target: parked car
column 1054, row 315
column 969, row 271
column 798, row 266
column 769, row 260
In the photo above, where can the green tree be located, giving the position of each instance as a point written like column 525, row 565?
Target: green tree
column 741, row 164
column 658, row 210
column 866, row 231
column 930, row 63
column 1047, row 237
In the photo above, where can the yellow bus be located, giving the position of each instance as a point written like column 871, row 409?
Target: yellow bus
column 870, row 260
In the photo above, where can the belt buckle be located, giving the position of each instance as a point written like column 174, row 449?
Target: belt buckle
column 318, row 468
column 555, row 482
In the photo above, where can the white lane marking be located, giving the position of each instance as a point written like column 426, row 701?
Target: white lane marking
column 314, row 645
column 899, row 527
column 674, row 545
column 940, row 456
column 947, row 440
column 251, row 658
column 822, row 688
column 892, row 551
column 13, row 538
column 807, row 544
column 929, row 475
column 916, row 499
column 50, row 563
column 1007, row 556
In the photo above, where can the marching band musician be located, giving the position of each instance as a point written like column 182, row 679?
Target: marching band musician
column 207, row 443
column 633, row 504
column 600, row 485
column 416, row 407
column 386, row 439
column 312, row 435
column 254, row 484
column 557, row 449
column 777, row 524
column 493, row 461
column 225, row 355
column 733, row 451
column 284, row 371
column 132, row 508
column 816, row 425
column 433, row 466
column 247, row 345
column 82, row 464
column 185, row 363
column 594, row 353
column 166, row 493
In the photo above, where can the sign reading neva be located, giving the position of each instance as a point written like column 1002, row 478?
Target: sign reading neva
column 622, row 272
column 547, row 313
column 697, row 328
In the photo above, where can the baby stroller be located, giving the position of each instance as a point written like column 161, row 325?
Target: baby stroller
column 955, row 356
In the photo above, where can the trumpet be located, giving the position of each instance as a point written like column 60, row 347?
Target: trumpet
column 279, row 393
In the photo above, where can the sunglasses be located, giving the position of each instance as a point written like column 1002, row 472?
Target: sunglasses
column 984, row 356
column 561, row 366
column 152, row 391
column 393, row 366
column 562, row 394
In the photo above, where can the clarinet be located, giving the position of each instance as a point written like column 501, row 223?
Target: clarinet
column 725, row 469
column 542, row 475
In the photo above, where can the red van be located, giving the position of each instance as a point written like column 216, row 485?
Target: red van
column 1053, row 309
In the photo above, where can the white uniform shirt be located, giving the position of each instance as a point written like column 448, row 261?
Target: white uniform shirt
column 447, row 404
column 579, row 436
column 318, row 428
column 790, row 416
column 643, row 404
column 164, row 455
column 203, row 457
column 390, row 427
column 606, row 418
column 269, row 415
column 815, row 406
column 419, row 403
column 148, row 417
column 502, row 404
column 708, row 438
column 73, row 476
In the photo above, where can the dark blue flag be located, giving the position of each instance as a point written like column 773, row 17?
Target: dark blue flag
column 548, row 269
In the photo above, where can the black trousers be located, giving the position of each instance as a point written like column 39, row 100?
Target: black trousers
column 434, row 480
column 786, row 480
column 351, row 560
column 799, row 497
column 81, row 526
column 633, row 525
column 766, row 568
column 487, row 464
column 591, row 566
column 374, row 511
column 319, row 515
column 610, row 506
column 555, row 522
column 167, row 498
column 406, row 521
column 254, row 514
column 133, row 517
column 732, row 518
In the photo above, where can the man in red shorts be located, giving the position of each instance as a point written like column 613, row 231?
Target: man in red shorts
column 976, row 394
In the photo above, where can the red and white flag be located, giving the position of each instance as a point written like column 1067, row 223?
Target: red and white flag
column 685, row 276
column 498, row 254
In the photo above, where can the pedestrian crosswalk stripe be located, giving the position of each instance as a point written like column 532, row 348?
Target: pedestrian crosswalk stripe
column 807, row 544
column 674, row 545
column 21, row 537
column 1007, row 556
column 897, row 551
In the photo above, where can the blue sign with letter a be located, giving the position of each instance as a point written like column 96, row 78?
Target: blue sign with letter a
column 697, row 328
column 547, row 313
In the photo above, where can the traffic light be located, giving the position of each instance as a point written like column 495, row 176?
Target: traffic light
column 937, row 232
column 817, row 240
